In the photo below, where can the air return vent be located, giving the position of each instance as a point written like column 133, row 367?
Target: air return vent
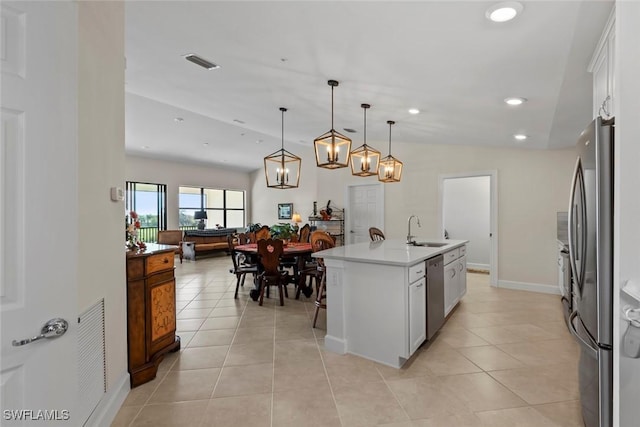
column 91, row 358
column 201, row 61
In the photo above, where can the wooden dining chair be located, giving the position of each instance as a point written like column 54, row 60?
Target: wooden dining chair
column 376, row 234
column 305, row 233
column 320, row 241
column 240, row 269
column 270, row 251
column 263, row 233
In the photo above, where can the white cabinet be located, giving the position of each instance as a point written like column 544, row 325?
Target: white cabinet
column 601, row 67
column 455, row 277
column 417, row 314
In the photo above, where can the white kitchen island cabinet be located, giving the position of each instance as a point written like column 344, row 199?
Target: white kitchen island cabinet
column 376, row 298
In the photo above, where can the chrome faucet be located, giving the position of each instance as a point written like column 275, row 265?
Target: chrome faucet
column 409, row 236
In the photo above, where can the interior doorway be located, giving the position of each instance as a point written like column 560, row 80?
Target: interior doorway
column 365, row 208
column 468, row 210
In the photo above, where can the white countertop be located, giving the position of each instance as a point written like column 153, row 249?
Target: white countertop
column 390, row 251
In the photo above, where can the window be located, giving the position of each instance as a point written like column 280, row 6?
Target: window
column 150, row 203
column 223, row 207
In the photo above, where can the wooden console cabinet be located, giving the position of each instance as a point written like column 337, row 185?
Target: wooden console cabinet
column 151, row 310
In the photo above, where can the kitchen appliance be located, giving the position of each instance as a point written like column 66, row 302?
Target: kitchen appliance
column 566, row 288
column 591, row 258
column 435, row 295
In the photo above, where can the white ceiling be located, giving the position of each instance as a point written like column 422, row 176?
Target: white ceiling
column 443, row 57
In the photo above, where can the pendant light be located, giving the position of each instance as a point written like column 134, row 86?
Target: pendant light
column 332, row 148
column 390, row 169
column 364, row 159
column 282, row 169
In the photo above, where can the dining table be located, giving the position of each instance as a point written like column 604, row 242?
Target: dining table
column 297, row 251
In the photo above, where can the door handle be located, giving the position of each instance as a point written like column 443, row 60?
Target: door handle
column 52, row 329
column 574, row 332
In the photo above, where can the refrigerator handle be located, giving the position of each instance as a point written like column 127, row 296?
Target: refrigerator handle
column 585, row 345
column 570, row 221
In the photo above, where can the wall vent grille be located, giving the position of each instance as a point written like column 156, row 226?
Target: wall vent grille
column 92, row 370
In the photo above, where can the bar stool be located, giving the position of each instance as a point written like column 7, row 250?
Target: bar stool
column 320, row 241
column 376, row 234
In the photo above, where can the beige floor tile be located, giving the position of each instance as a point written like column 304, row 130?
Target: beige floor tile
column 297, row 408
column 297, row 331
column 194, row 313
column 177, row 414
column 139, row 395
column 446, row 363
column 201, row 357
column 185, row 338
column 231, row 303
column 541, row 384
column 490, row 358
column 515, row 417
column 253, row 320
column 411, row 369
column 425, row 397
column 220, row 323
column 345, row 369
column 298, row 375
column 242, row 380
column 186, row 385
column 366, row 406
column 226, row 312
column 254, row 335
column 297, row 350
column 212, row 337
column 564, row 414
column 461, row 337
column 184, row 325
column 202, row 304
column 512, row 333
column 252, row 410
column 125, row 415
column 468, row 419
column 544, row 352
column 250, row 354
column 480, row 392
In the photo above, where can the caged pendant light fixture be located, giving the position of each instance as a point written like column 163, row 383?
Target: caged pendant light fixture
column 282, row 169
column 364, row 159
column 390, row 169
column 332, row 148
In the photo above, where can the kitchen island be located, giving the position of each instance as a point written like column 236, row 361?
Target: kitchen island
column 377, row 295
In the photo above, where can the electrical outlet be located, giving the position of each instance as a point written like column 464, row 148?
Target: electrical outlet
column 631, row 342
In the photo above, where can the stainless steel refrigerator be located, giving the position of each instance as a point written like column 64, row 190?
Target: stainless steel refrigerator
column 591, row 259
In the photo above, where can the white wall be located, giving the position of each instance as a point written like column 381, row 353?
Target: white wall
column 175, row 174
column 627, row 200
column 532, row 186
column 101, row 259
column 467, row 210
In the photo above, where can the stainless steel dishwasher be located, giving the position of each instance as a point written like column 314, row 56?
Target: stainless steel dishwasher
column 435, row 295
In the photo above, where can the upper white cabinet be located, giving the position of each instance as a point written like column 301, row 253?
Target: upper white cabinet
column 601, row 67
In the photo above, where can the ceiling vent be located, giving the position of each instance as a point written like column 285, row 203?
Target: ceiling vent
column 201, row 61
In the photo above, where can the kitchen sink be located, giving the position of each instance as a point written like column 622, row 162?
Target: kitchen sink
column 429, row 244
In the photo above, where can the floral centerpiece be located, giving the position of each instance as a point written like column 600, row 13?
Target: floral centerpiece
column 132, row 225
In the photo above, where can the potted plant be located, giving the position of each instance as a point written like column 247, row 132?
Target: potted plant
column 283, row 231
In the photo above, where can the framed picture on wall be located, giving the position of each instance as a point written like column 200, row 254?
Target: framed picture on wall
column 285, row 210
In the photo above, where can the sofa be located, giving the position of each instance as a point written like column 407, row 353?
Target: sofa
column 171, row 237
column 208, row 241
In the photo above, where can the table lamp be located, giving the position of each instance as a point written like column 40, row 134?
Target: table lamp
column 201, row 215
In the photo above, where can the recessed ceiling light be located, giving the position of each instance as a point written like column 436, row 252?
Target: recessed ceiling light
column 350, row 130
column 503, row 12
column 258, row 141
column 145, row 147
column 520, row 136
column 198, row 60
column 238, row 121
column 515, row 101
column 178, row 120
column 414, row 111
column 206, row 144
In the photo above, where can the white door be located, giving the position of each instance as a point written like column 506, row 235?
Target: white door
column 365, row 209
column 38, row 205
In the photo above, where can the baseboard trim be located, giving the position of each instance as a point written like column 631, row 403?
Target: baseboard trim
column 531, row 287
column 477, row 266
column 110, row 404
column 335, row 344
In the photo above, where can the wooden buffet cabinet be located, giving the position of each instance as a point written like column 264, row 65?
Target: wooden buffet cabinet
column 151, row 310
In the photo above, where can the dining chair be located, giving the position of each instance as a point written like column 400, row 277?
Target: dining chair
column 305, row 233
column 263, row 233
column 320, row 241
column 270, row 251
column 240, row 269
column 376, row 234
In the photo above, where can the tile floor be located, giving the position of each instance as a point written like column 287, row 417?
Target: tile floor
column 504, row 358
